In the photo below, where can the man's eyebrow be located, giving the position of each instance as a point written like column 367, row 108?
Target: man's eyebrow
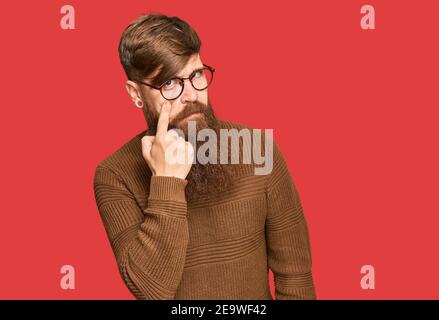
column 195, row 70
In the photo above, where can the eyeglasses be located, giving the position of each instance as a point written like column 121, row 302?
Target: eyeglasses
column 171, row 89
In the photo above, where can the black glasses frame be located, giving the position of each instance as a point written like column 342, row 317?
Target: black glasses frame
column 182, row 80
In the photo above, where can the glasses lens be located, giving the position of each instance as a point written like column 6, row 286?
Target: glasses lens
column 202, row 79
column 171, row 89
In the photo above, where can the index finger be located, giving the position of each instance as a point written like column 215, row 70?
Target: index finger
column 162, row 125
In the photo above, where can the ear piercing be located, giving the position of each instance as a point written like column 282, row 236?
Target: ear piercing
column 139, row 103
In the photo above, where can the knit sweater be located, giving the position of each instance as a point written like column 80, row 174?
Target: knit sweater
column 216, row 247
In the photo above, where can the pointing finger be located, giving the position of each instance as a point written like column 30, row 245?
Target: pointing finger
column 162, row 126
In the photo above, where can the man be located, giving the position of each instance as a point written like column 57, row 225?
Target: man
column 188, row 230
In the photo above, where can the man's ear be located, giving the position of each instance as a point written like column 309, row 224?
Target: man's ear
column 134, row 92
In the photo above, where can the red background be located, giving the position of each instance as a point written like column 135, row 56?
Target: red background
column 354, row 111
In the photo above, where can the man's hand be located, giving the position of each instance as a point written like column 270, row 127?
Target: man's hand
column 167, row 154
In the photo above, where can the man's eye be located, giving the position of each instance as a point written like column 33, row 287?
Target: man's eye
column 197, row 74
column 169, row 84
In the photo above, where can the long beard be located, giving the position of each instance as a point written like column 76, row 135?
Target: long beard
column 203, row 179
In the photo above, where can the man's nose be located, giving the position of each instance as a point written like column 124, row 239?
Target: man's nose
column 189, row 93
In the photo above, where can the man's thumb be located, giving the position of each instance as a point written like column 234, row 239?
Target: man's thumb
column 147, row 142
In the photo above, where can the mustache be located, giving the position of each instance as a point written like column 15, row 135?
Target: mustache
column 191, row 108
column 208, row 119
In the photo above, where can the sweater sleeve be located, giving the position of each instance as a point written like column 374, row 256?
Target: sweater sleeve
column 149, row 244
column 288, row 245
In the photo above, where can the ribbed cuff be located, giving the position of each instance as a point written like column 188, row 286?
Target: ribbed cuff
column 167, row 188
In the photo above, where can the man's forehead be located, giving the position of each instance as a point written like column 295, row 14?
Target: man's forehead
column 193, row 64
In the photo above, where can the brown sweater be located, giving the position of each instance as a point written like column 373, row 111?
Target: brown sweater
column 215, row 247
